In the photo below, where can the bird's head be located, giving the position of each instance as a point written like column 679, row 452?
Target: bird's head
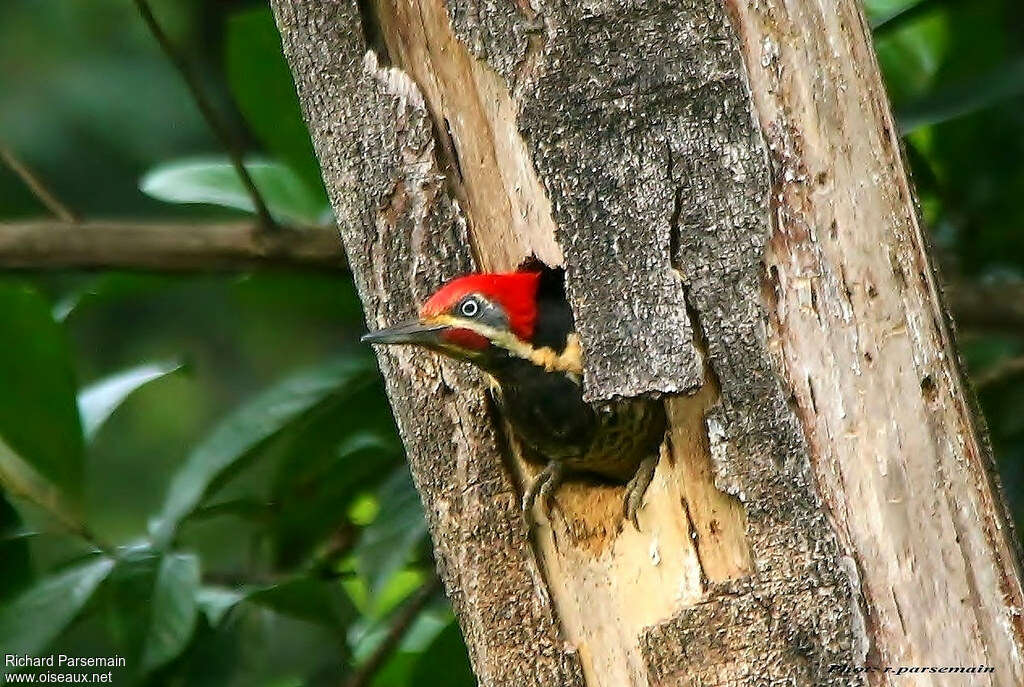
column 488, row 319
column 476, row 318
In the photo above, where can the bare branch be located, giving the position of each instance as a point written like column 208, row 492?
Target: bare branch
column 1001, row 371
column 324, row 562
column 36, row 185
column 228, row 246
column 166, row 246
column 987, row 307
column 402, row 622
column 220, row 129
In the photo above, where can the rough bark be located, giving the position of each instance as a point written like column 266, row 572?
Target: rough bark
column 404, row 235
column 723, row 184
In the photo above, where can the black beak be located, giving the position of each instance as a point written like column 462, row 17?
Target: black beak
column 412, row 332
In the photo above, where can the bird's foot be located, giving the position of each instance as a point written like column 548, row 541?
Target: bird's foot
column 637, row 487
column 543, row 486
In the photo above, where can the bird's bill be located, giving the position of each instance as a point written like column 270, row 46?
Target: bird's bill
column 412, row 332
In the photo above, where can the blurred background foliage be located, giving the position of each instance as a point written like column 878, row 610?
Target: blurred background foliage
column 200, row 472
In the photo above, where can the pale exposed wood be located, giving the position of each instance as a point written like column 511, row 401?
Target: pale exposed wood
column 166, row 246
column 717, row 519
column 620, row 139
column 866, row 348
column 612, row 583
column 474, row 118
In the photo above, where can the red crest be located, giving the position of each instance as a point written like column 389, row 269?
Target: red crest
column 516, row 292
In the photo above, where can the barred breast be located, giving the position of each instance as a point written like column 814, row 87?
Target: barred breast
column 626, row 432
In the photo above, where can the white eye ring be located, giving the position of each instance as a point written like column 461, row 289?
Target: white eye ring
column 470, row 308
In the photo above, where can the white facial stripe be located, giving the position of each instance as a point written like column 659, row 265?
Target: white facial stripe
column 570, row 361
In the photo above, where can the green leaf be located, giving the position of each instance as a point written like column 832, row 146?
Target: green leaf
column 913, row 56
column 387, row 543
column 237, row 437
column 110, row 287
column 369, row 632
column 263, row 88
column 215, row 602
column 341, row 454
column 445, row 663
column 1001, row 83
column 16, row 570
column 259, row 646
column 334, row 448
column 322, row 602
column 317, row 601
column 213, row 181
column 398, row 668
column 244, row 508
column 887, row 16
column 174, row 609
column 97, row 401
column 38, row 411
column 126, row 601
column 30, row 622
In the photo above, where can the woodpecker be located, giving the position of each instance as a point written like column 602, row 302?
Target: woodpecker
column 518, row 329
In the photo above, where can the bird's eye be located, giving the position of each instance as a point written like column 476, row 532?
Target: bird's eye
column 469, row 307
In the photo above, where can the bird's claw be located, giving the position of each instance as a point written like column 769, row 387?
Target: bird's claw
column 544, row 486
column 547, row 482
column 637, row 487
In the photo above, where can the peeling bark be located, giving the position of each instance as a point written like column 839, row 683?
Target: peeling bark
column 701, row 170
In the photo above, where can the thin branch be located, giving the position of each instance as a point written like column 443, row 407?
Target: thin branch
column 168, row 247
column 324, row 562
column 364, row 675
column 987, row 307
column 238, row 246
column 1001, row 371
column 219, row 127
column 36, row 186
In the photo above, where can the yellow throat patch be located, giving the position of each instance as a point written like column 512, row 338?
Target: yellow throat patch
column 569, row 361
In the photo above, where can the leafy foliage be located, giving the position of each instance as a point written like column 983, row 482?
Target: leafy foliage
column 282, row 471
column 174, row 609
column 214, row 181
column 262, row 85
column 237, row 438
column 99, row 400
column 390, row 540
column 29, row 623
column 40, row 422
column 441, row 664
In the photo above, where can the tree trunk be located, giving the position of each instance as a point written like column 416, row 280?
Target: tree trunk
column 722, row 181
